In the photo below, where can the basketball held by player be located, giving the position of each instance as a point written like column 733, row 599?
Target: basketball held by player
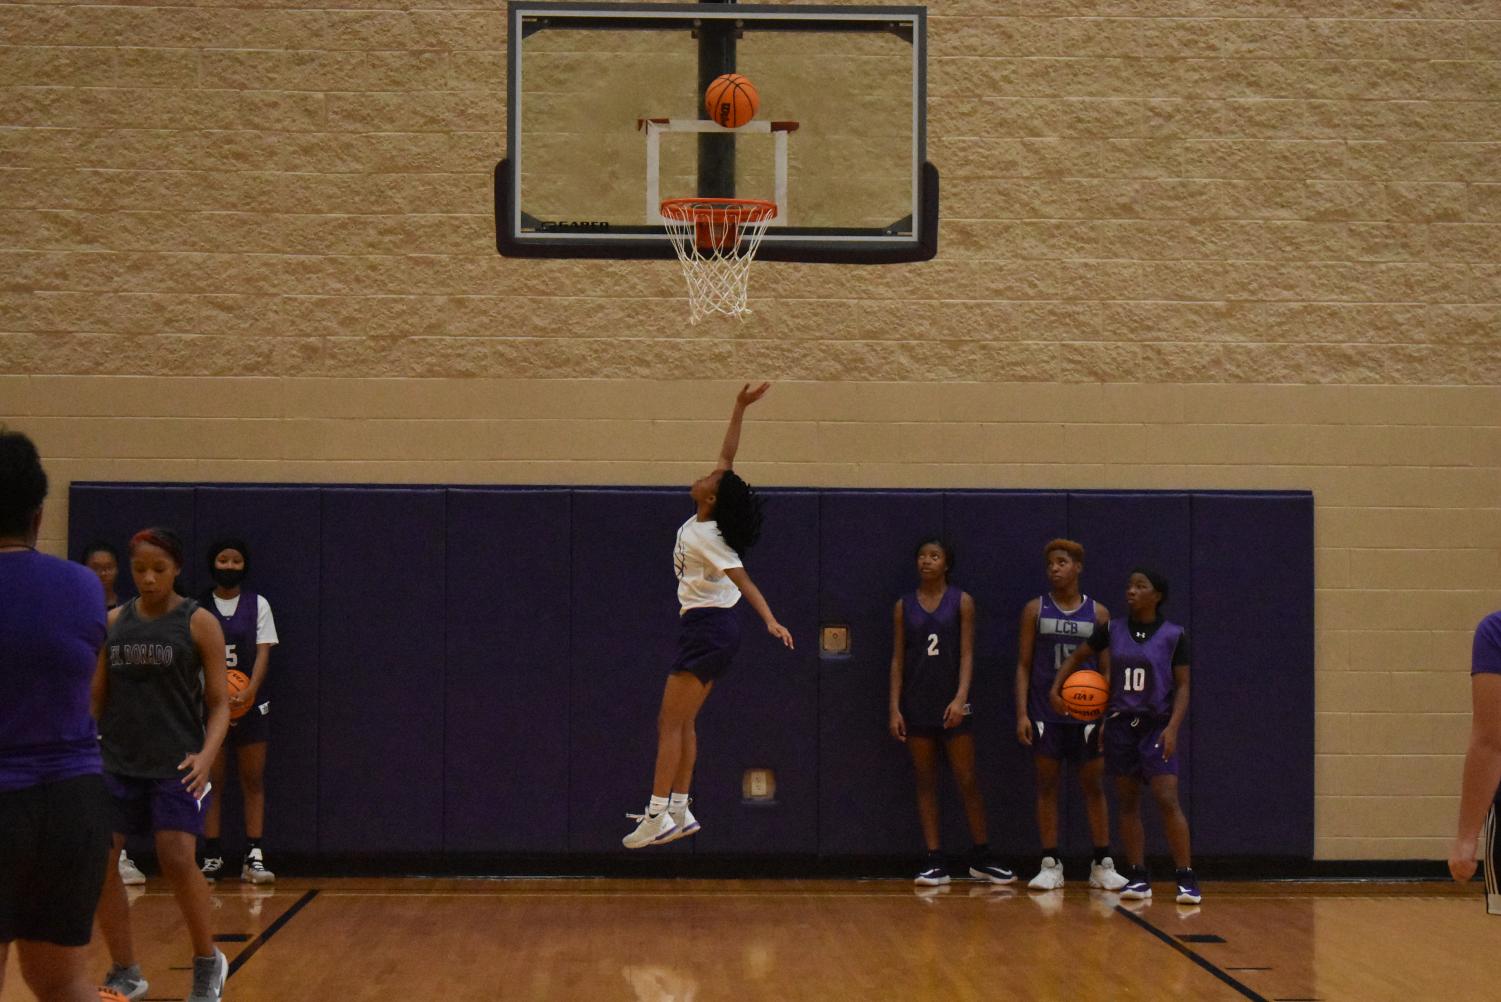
column 160, row 698
column 249, row 634
column 1053, row 626
column 1146, row 658
column 54, row 811
column 707, row 558
column 932, row 666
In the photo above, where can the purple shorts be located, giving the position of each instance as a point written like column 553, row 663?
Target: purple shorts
column 707, row 641
column 1075, row 741
column 1133, row 747
column 144, row 806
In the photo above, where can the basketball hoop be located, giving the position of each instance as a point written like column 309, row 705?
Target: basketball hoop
column 716, row 240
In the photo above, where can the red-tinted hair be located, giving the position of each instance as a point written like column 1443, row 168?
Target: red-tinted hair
column 164, row 539
column 1068, row 546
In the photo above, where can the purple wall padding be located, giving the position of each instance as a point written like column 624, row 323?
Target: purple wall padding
column 1254, row 662
column 505, row 762
column 479, row 669
column 999, row 538
column 1120, row 531
column 380, row 728
column 283, row 528
column 765, row 712
column 866, row 546
column 115, row 512
column 624, row 636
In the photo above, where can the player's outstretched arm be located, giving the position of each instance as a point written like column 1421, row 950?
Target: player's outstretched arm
column 747, row 396
column 758, row 602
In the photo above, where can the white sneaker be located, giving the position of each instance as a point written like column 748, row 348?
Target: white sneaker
column 255, row 870
column 1104, row 876
column 654, row 829
column 129, row 872
column 1049, row 878
column 686, row 824
column 209, row 974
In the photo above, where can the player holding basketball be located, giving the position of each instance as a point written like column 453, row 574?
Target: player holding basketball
column 249, row 634
column 159, row 678
column 1053, row 626
column 1145, row 658
column 932, row 663
column 1481, row 791
column 711, row 580
column 54, row 811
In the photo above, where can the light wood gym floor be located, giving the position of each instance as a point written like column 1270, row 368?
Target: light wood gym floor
column 787, row 940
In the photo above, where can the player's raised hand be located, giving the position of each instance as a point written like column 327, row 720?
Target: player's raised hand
column 749, row 395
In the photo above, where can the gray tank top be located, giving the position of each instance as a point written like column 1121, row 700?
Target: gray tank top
column 154, row 714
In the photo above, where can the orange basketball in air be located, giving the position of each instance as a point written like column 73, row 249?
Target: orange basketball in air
column 237, row 683
column 731, row 100
column 1085, row 694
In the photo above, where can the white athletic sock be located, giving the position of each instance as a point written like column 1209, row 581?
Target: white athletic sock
column 656, row 806
column 679, row 801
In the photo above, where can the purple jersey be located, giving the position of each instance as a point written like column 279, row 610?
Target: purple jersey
column 51, row 629
column 1058, row 634
column 930, row 661
column 1486, row 657
column 239, row 630
column 1141, row 673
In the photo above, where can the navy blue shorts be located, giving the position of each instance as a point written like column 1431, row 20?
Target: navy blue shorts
column 253, row 728
column 1075, row 741
column 146, row 806
column 707, row 641
column 1133, row 747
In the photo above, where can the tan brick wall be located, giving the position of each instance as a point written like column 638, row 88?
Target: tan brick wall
column 1215, row 243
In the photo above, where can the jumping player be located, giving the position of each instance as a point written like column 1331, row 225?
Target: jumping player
column 711, row 579
column 163, row 706
column 54, row 811
column 1053, row 626
column 104, row 560
column 932, row 664
column 249, row 634
column 1481, row 790
column 1145, row 658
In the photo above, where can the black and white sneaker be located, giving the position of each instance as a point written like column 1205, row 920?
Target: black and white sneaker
column 982, row 869
column 254, row 869
column 933, row 876
column 212, row 867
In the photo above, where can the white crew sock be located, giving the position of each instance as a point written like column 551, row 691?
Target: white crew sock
column 678, row 802
column 656, row 806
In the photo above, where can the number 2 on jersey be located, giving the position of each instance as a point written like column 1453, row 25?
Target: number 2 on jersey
column 932, row 645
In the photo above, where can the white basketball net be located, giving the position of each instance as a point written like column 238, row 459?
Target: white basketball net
column 716, row 240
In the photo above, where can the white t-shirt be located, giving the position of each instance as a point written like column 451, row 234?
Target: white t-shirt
column 265, row 624
column 701, row 558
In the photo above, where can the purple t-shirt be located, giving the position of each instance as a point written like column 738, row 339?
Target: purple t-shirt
column 1487, row 652
column 51, row 629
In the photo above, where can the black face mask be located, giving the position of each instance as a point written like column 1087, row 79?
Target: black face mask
column 228, row 577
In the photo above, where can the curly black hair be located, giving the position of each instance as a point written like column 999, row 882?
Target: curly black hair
column 950, row 557
column 737, row 510
column 23, row 482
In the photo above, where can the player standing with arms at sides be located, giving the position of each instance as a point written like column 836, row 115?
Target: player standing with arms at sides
column 163, row 706
column 1481, row 790
column 1053, row 626
column 249, row 634
column 711, row 579
column 104, row 560
column 932, row 664
column 1145, row 658
column 54, row 812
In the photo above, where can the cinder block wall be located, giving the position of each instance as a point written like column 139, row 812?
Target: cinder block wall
column 1186, row 243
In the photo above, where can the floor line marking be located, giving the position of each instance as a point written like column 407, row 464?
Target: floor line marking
column 1239, row 986
column 271, row 930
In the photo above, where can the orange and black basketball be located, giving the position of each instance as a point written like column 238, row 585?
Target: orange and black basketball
column 238, row 682
column 1085, row 694
column 731, row 100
